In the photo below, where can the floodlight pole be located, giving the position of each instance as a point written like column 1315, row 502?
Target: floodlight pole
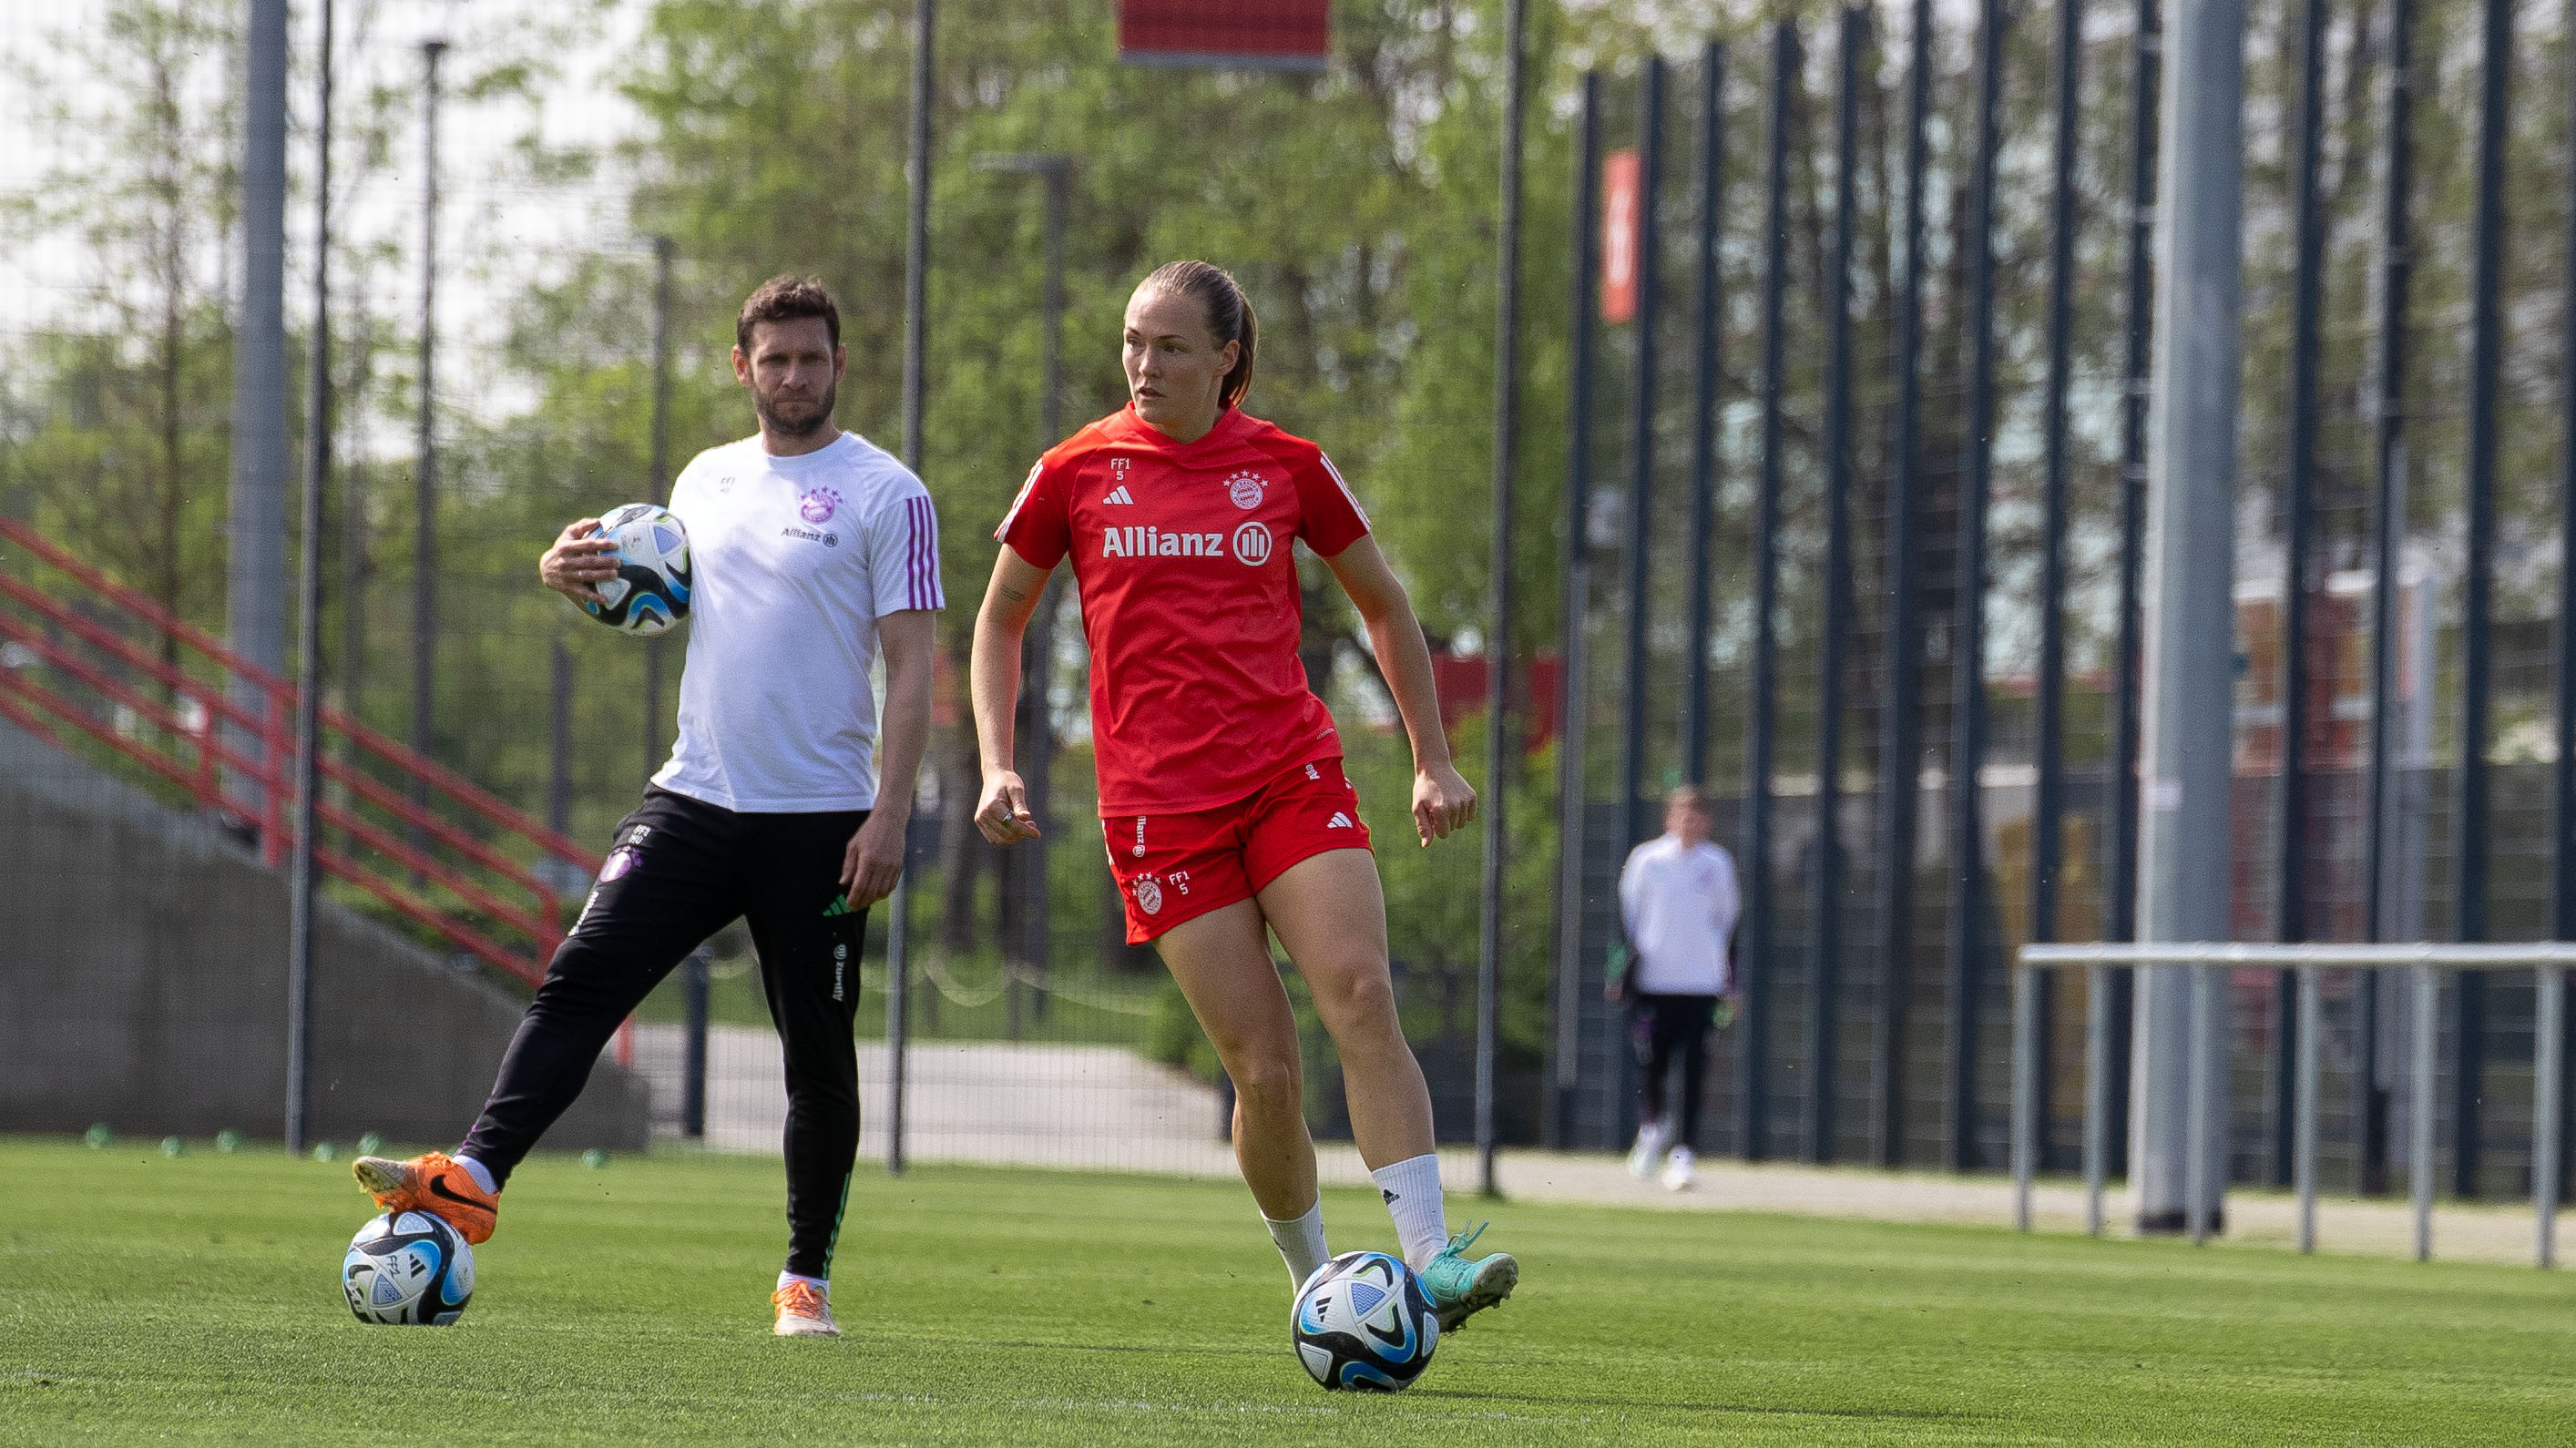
column 1498, row 641
column 2189, row 607
column 424, row 551
column 308, row 642
column 661, row 466
column 916, row 266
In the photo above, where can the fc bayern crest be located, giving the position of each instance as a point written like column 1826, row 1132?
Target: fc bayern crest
column 1149, row 896
column 1245, row 489
column 819, row 505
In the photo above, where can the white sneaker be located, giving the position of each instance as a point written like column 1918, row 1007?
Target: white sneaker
column 1649, row 1150
column 1682, row 1170
column 803, row 1312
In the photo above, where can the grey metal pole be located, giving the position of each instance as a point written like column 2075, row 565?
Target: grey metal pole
column 2025, row 1087
column 916, row 270
column 1967, row 938
column 2145, row 74
column 661, row 468
column 1704, row 378
column 2549, row 1079
column 1824, row 936
column 1641, row 456
column 1753, row 962
column 1498, row 643
column 424, row 548
column 2201, row 1101
column 1900, row 750
column 2097, row 1092
column 308, row 643
column 1040, row 776
column 2189, row 652
column 2388, row 522
column 693, row 1046
column 2290, row 858
column 1574, row 603
column 2048, row 802
column 2419, row 1112
column 2477, row 588
column 255, row 564
column 2303, row 1150
column 2562, row 814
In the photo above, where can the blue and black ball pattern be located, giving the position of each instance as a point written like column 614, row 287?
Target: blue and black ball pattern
column 651, row 590
column 408, row 1270
column 1365, row 1322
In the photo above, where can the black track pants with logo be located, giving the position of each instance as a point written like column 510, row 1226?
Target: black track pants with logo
column 678, row 871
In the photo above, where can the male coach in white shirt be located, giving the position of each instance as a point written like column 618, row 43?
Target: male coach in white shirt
column 1678, row 904
column 813, row 551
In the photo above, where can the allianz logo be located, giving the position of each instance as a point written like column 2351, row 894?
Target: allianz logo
column 1249, row 544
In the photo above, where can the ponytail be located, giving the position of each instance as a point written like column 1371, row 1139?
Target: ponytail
column 1229, row 317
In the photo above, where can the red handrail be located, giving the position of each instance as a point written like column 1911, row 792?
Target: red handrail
column 197, row 756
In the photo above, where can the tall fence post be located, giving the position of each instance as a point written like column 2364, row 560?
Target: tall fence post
column 2396, row 262
column 1574, row 647
column 916, row 288
column 2419, row 1111
column 1900, row 751
column 1968, row 620
column 1708, row 311
column 1824, row 938
column 2477, row 586
column 1639, row 503
column 1754, row 960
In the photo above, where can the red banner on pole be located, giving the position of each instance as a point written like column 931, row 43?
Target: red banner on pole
column 1260, row 34
column 1619, row 186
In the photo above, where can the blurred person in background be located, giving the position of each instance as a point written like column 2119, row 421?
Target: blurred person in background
column 1678, row 904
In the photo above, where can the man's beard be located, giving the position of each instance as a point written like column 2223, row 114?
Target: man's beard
column 793, row 421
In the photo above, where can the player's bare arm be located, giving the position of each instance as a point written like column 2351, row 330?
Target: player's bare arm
column 579, row 562
column 1003, row 811
column 1443, row 801
column 874, row 861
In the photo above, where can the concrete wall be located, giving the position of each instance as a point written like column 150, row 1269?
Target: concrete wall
column 143, row 984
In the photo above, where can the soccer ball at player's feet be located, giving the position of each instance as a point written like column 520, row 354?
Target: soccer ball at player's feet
column 408, row 1269
column 1364, row 1321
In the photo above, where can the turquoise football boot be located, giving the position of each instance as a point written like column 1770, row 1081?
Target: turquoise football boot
column 1462, row 1286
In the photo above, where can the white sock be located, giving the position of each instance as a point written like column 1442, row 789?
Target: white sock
column 819, row 1284
column 1412, row 1191
column 482, row 1174
column 1301, row 1242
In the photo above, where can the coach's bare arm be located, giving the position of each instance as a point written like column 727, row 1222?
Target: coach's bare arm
column 874, row 861
column 1003, row 811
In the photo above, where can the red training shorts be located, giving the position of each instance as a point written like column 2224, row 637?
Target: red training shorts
column 1176, row 867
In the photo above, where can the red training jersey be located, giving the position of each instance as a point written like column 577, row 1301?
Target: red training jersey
column 1189, row 599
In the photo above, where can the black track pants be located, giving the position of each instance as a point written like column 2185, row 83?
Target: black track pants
column 1663, row 1027
column 678, row 871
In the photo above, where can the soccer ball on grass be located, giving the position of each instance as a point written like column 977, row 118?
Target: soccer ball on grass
column 1364, row 1321
column 408, row 1269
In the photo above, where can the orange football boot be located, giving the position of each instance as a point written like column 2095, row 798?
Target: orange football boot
column 803, row 1311
column 431, row 1182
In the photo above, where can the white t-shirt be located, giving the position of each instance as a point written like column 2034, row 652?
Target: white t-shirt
column 796, row 559
column 1679, row 906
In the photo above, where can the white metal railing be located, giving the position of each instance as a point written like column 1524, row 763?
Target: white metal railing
column 2547, row 960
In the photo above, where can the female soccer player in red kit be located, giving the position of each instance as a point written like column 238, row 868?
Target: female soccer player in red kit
column 1222, row 798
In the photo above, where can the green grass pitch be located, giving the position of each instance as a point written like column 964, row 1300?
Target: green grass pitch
column 194, row 1299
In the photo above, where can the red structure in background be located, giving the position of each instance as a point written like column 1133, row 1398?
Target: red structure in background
column 1619, row 183
column 1263, row 34
column 1459, row 679
column 470, row 869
